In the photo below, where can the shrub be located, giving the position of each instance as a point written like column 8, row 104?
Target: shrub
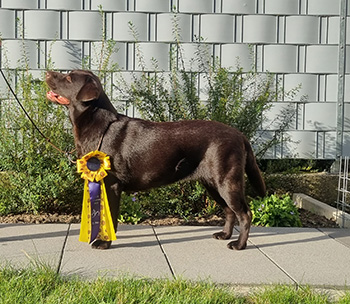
column 275, row 211
column 130, row 209
column 183, row 199
column 36, row 177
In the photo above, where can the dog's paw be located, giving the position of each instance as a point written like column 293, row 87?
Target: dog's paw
column 236, row 246
column 99, row 244
column 221, row 235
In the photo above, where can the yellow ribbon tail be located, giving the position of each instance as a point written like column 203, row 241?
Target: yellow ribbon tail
column 85, row 226
column 107, row 231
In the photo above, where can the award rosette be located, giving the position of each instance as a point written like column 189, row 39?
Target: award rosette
column 96, row 219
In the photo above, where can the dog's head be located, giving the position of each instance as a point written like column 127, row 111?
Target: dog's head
column 76, row 86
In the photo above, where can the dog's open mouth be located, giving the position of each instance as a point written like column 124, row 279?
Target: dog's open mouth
column 52, row 96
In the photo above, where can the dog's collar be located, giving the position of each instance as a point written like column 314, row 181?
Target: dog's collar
column 103, row 135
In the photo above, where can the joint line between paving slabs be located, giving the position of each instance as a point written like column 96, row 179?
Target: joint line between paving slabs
column 273, row 262
column 63, row 249
column 164, row 253
column 278, row 266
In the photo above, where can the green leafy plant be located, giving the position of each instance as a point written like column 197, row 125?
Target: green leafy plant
column 35, row 177
column 130, row 209
column 275, row 211
column 183, row 199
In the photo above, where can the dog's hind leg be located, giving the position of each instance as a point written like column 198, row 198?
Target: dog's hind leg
column 232, row 191
column 244, row 217
column 230, row 217
column 238, row 205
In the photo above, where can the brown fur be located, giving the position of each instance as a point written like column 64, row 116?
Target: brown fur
column 147, row 154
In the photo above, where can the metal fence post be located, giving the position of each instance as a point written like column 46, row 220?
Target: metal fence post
column 341, row 78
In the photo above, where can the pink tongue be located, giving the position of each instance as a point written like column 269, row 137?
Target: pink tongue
column 57, row 98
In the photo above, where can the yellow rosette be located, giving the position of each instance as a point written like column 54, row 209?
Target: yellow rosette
column 97, row 158
column 96, row 219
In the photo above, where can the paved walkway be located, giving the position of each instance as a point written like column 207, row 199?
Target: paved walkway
column 318, row 257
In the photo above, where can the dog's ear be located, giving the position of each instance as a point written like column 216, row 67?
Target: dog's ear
column 91, row 90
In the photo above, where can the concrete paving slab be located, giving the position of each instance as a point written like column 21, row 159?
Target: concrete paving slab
column 22, row 244
column 135, row 252
column 274, row 255
column 340, row 235
column 308, row 255
column 194, row 254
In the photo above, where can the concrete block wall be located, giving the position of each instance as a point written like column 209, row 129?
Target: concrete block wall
column 298, row 40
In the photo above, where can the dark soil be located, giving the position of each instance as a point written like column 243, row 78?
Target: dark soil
column 308, row 219
column 39, row 218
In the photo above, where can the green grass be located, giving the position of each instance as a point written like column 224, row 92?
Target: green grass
column 283, row 294
column 43, row 285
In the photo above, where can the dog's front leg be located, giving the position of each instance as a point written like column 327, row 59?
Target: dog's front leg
column 113, row 190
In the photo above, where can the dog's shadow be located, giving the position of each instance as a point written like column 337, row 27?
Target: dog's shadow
column 159, row 238
column 165, row 236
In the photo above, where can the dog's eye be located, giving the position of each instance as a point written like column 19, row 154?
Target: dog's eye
column 69, row 79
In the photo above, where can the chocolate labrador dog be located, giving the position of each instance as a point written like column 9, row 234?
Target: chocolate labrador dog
column 147, row 154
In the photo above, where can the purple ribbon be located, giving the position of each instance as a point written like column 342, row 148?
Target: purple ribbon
column 95, row 199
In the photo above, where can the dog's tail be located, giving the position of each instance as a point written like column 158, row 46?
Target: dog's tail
column 253, row 171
